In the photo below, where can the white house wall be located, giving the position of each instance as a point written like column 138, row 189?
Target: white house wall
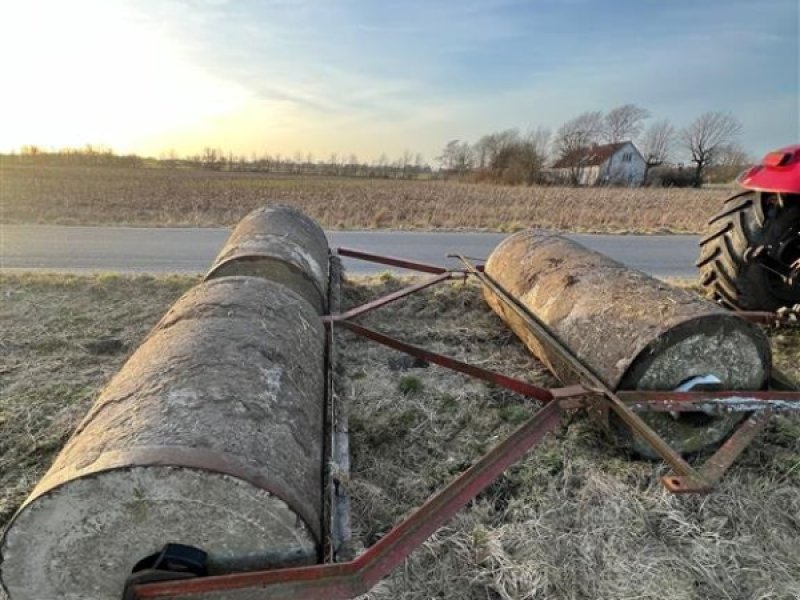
column 617, row 171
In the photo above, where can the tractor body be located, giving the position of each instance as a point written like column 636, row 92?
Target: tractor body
column 750, row 254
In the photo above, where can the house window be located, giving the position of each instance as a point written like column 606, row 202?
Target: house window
column 627, row 157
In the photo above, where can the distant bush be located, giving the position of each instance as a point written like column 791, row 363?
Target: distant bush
column 670, row 177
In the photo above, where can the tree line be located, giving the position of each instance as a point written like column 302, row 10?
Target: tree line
column 407, row 166
column 710, row 144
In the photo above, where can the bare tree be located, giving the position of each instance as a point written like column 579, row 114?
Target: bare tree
column 578, row 133
column 30, row 150
column 481, row 151
column 212, row 158
column 623, row 123
column 574, row 137
column 487, row 149
column 706, row 136
column 733, row 155
column 523, row 160
column 540, row 139
column 510, row 157
column 729, row 161
column 457, row 157
column 382, row 164
column 406, row 162
column 657, row 144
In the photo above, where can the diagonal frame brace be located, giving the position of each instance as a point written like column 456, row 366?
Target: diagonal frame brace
column 350, row 579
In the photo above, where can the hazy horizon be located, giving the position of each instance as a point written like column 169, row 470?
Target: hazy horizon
column 289, row 76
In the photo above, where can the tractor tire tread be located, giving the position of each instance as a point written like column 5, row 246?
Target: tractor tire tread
column 726, row 275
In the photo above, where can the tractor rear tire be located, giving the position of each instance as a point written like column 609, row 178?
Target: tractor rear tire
column 748, row 220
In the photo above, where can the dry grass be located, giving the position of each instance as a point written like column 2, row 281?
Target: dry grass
column 162, row 197
column 574, row 519
column 63, row 338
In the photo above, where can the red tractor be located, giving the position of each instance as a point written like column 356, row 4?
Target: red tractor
column 750, row 255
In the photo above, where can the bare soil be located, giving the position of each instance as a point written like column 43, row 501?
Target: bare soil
column 576, row 518
column 185, row 197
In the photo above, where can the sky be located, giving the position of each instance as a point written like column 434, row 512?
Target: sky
column 366, row 77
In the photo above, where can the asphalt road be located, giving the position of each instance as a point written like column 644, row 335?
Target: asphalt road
column 185, row 250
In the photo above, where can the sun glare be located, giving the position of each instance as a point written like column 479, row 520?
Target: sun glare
column 89, row 72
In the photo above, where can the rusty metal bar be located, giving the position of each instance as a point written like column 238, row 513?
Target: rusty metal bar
column 711, row 401
column 715, row 467
column 387, row 299
column 391, row 261
column 592, row 381
column 347, row 580
column 722, row 459
column 510, row 383
column 399, row 543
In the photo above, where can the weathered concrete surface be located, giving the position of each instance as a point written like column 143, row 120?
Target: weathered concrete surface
column 281, row 244
column 633, row 331
column 210, row 435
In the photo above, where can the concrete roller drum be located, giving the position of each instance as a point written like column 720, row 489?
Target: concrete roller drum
column 281, row 244
column 211, row 435
column 632, row 331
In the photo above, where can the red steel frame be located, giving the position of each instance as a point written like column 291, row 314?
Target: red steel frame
column 335, row 581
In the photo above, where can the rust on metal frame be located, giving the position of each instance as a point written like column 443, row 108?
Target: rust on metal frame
column 715, row 467
column 516, row 385
column 346, row 580
column 719, row 402
column 392, row 261
column 389, row 298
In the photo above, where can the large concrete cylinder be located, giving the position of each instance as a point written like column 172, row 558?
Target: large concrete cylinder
column 281, row 244
column 211, row 435
column 632, row 331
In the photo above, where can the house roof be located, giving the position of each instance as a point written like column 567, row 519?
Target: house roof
column 589, row 157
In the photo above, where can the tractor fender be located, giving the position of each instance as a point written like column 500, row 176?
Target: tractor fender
column 778, row 172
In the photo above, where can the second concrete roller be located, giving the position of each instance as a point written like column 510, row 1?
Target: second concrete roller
column 633, row 331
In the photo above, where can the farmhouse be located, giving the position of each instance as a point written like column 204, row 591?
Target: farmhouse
column 620, row 164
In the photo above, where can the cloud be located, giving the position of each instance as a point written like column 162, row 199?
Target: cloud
column 372, row 76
